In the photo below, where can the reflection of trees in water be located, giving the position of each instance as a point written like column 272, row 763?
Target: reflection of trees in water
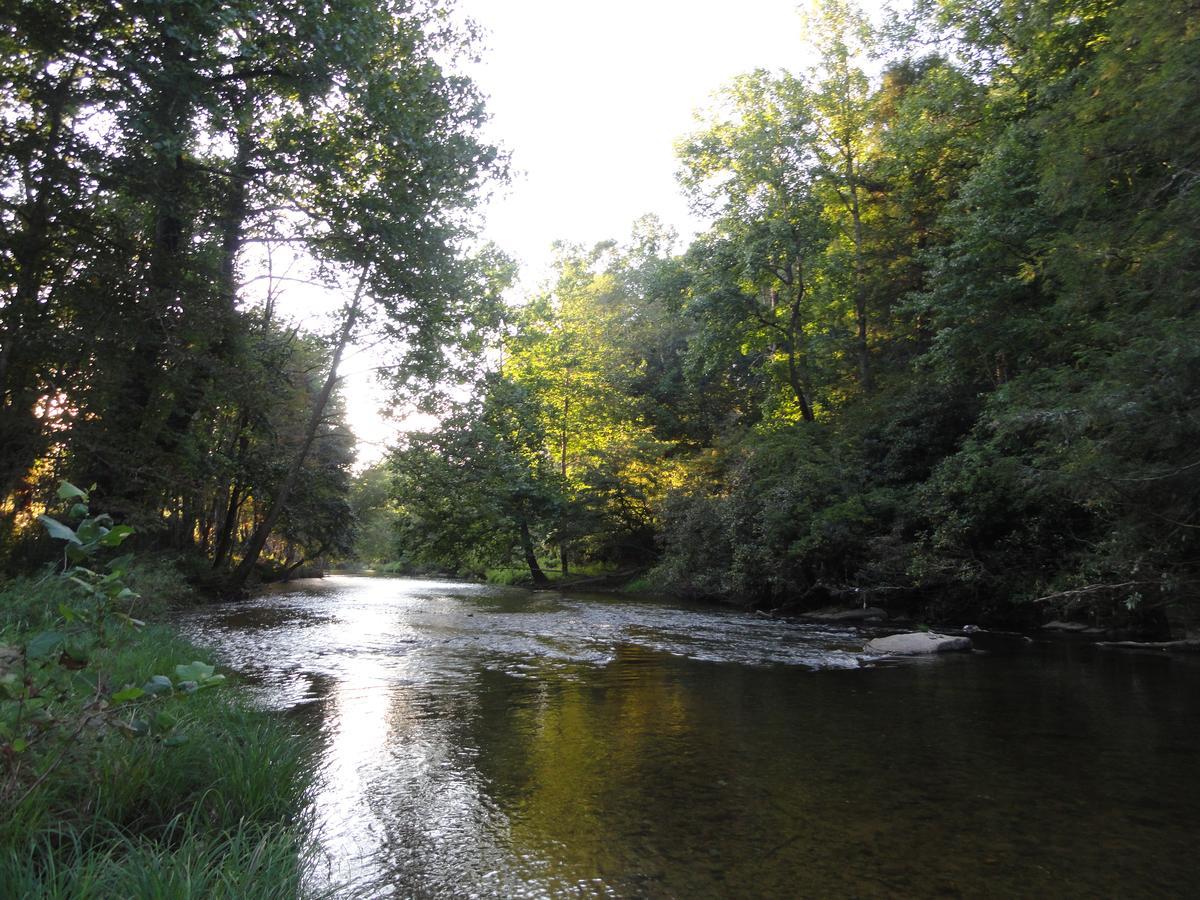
column 622, row 773
column 658, row 775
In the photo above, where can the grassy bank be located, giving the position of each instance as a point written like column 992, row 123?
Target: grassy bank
column 127, row 771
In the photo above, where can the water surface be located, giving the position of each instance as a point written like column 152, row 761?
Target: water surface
column 492, row 742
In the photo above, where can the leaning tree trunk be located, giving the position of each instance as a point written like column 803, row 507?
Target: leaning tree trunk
column 233, row 493
column 794, row 330
column 562, row 531
column 259, row 539
column 535, row 571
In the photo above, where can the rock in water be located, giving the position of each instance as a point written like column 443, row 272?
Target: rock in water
column 916, row 643
column 1064, row 626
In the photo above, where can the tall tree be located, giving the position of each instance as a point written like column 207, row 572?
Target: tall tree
column 754, row 169
column 844, row 105
column 155, row 149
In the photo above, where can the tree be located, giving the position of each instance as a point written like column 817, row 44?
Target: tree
column 154, row 151
column 844, row 105
column 479, row 485
column 754, row 169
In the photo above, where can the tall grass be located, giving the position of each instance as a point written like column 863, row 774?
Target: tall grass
column 642, row 584
column 247, row 861
column 98, row 813
column 519, row 575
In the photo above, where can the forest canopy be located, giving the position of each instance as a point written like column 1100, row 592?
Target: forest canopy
column 163, row 167
column 937, row 346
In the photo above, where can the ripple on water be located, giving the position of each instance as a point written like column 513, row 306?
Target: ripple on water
column 488, row 742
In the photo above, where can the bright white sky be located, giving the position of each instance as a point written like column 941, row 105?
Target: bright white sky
column 589, row 98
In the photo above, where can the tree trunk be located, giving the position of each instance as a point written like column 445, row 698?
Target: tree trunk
column 22, row 435
column 799, row 388
column 228, row 526
column 535, row 571
column 233, row 221
column 860, row 282
column 806, row 410
column 228, row 522
column 562, row 542
column 259, row 539
column 192, row 383
column 287, row 576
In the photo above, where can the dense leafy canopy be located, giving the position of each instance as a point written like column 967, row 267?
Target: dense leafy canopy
column 163, row 166
column 937, row 347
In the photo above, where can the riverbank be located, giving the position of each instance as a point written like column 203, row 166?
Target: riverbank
column 902, row 607
column 130, row 767
column 585, row 577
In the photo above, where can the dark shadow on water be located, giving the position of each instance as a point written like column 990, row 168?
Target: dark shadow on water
column 500, row 744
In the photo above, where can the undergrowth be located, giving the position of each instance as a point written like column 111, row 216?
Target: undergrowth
column 128, row 768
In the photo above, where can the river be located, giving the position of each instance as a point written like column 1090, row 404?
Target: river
column 480, row 741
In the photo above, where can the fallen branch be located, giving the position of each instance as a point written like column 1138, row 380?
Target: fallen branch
column 1192, row 646
column 1092, row 589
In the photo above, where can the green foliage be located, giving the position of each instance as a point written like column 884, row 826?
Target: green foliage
column 218, row 815
column 937, row 347
column 167, row 170
column 53, row 688
column 377, row 517
column 777, row 520
column 562, row 450
column 101, row 592
column 249, row 861
column 477, row 488
column 936, row 343
column 121, row 780
column 109, row 765
column 507, row 576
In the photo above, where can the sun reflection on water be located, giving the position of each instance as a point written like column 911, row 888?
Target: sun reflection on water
column 481, row 742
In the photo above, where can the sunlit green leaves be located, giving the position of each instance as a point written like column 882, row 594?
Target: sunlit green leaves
column 128, row 693
column 68, row 491
column 195, row 676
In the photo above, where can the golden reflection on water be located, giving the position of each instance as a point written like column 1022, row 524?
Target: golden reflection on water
column 493, row 744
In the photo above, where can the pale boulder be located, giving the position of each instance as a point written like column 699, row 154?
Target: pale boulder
column 917, row 643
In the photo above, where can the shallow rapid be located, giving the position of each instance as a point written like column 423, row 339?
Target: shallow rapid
column 492, row 742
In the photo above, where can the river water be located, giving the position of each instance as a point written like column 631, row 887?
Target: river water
column 492, row 742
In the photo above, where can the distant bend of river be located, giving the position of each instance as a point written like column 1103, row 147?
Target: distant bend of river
column 493, row 742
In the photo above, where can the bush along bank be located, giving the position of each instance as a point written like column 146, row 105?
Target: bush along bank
column 128, row 767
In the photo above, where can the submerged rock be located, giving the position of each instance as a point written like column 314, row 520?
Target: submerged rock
column 861, row 614
column 1064, row 626
column 916, row 643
